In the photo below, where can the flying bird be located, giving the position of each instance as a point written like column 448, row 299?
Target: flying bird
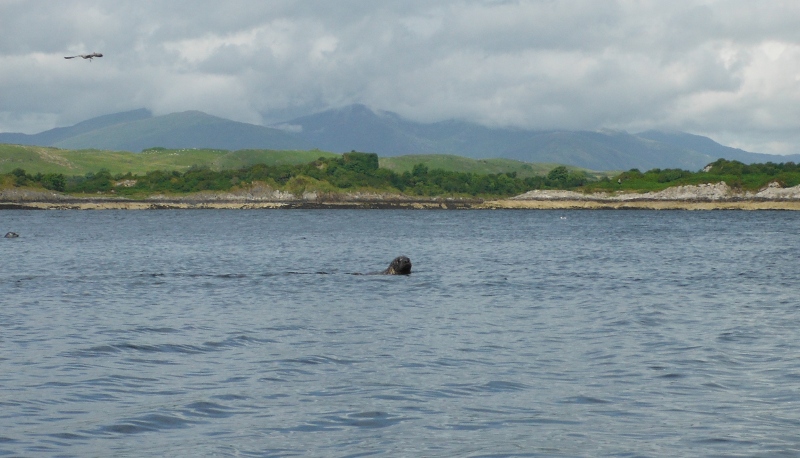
column 86, row 56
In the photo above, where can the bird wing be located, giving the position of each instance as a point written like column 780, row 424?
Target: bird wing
column 86, row 56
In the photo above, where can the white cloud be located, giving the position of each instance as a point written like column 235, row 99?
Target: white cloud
column 724, row 68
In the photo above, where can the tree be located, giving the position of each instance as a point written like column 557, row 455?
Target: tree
column 558, row 174
column 360, row 162
column 20, row 177
column 54, row 181
column 419, row 171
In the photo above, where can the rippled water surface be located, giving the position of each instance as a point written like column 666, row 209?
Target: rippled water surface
column 519, row 333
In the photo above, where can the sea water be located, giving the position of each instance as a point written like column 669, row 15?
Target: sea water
column 518, row 333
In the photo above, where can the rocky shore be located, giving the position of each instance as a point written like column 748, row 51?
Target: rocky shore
column 260, row 199
column 700, row 197
column 717, row 192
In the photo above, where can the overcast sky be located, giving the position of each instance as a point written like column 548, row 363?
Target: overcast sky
column 728, row 69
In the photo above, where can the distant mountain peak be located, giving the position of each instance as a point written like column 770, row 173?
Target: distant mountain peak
column 607, row 131
column 355, row 108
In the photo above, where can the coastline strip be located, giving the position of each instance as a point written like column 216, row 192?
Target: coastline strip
column 505, row 204
column 641, row 205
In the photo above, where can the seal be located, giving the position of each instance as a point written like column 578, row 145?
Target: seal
column 400, row 265
column 11, row 235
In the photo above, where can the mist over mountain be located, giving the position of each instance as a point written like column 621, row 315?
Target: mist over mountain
column 359, row 128
column 712, row 148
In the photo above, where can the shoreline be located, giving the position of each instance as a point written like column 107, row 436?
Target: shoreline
column 476, row 204
column 718, row 196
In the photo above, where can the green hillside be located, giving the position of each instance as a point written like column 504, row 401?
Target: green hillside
column 349, row 172
column 37, row 159
column 451, row 163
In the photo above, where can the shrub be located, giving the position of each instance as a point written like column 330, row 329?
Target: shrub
column 360, row 162
column 54, row 181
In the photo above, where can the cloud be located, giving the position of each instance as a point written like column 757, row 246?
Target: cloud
column 728, row 69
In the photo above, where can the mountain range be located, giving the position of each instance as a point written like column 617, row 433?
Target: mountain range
column 359, row 128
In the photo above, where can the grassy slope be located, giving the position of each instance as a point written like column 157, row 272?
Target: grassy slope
column 449, row 162
column 79, row 162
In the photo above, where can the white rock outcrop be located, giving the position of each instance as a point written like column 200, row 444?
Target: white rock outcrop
column 713, row 192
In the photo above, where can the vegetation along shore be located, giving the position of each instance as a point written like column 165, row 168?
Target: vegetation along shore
column 280, row 179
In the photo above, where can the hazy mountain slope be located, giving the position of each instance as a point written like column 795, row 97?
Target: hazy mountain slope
column 712, row 148
column 189, row 129
column 52, row 136
column 357, row 127
column 605, row 151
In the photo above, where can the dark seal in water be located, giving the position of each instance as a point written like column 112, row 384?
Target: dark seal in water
column 11, row 235
column 401, row 265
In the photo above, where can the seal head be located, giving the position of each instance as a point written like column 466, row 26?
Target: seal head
column 401, row 265
column 11, row 235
